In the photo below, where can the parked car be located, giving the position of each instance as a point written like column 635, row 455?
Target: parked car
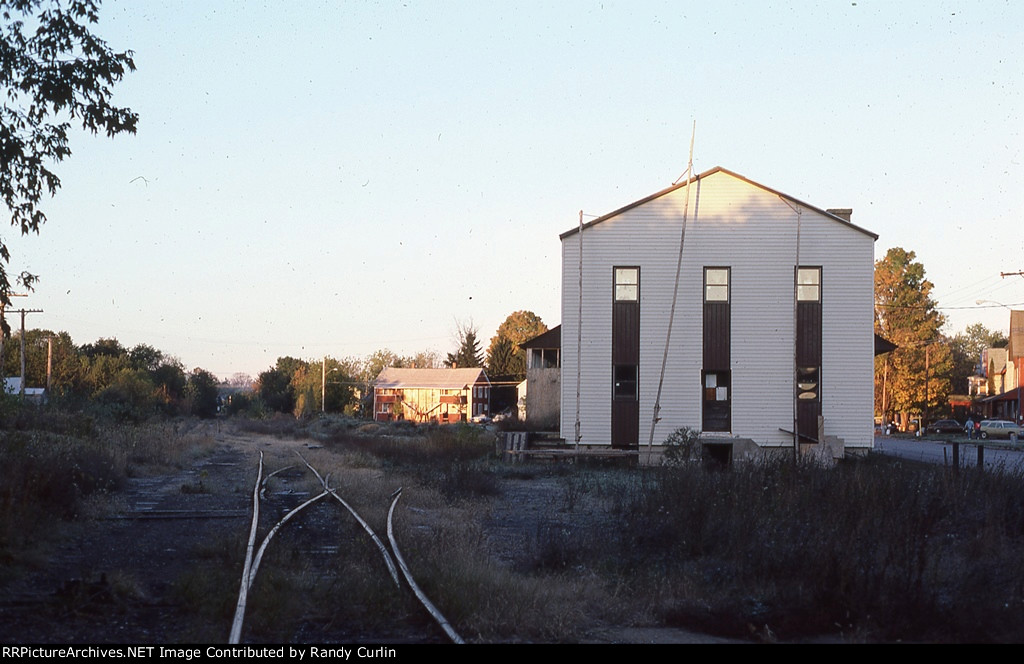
column 944, row 426
column 1000, row 429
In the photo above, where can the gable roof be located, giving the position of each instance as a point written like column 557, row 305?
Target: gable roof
column 443, row 379
column 696, row 178
column 550, row 339
column 996, row 360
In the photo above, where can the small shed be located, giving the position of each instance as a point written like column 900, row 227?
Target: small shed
column 431, row 395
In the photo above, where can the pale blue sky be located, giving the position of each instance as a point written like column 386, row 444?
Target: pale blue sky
column 316, row 178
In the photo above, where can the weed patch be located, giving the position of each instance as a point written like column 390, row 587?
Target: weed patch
column 804, row 549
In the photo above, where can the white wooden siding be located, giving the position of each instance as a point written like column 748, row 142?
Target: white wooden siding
column 753, row 231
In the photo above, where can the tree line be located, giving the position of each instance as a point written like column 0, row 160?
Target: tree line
column 302, row 387
column 107, row 378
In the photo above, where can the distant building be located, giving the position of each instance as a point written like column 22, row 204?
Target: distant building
column 994, row 362
column 540, row 393
column 1004, row 368
column 12, row 386
column 431, row 395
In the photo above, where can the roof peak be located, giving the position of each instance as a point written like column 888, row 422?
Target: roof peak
column 712, row 171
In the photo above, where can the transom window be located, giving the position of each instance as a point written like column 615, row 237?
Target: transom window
column 627, row 284
column 716, row 284
column 808, row 284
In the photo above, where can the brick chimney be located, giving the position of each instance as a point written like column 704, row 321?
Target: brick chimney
column 842, row 213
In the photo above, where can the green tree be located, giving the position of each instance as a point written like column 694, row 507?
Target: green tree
column 503, row 359
column 145, row 357
column 274, row 390
column 377, row 362
column 914, row 378
column 518, row 328
column 201, row 393
column 53, row 70
column 169, row 380
column 468, row 353
column 276, row 386
column 340, row 390
column 126, row 395
column 38, row 344
column 104, row 347
column 323, row 380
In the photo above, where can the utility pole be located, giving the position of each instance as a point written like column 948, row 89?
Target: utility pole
column 926, row 371
column 49, row 365
column 2, row 384
column 23, row 312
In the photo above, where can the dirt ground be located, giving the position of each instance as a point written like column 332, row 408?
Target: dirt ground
column 108, row 578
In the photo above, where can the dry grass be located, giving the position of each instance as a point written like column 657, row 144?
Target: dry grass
column 874, row 550
column 50, row 475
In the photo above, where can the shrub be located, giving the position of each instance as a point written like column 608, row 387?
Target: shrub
column 46, row 476
column 681, row 446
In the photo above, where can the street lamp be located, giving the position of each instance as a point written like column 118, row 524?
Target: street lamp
column 323, row 384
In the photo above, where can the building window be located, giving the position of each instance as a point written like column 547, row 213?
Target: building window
column 717, row 414
column 625, row 382
column 808, row 284
column 807, row 383
column 627, row 284
column 716, row 284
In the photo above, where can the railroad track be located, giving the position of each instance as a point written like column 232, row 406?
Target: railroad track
column 391, row 557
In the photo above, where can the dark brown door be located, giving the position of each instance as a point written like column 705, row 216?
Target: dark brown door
column 625, row 406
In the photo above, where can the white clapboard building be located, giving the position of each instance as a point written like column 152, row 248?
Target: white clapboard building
column 772, row 340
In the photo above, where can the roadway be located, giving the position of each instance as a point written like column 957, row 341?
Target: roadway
column 933, row 450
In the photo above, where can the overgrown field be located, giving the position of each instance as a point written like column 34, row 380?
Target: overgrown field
column 60, row 467
column 871, row 550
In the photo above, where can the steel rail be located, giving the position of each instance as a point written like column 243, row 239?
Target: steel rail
column 243, row 591
column 277, row 527
column 252, row 564
column 369, row 531
column 427, row 604
column 263, row 488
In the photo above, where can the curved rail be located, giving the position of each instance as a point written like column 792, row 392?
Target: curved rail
column 252, row 561
column 277, row 527
column 263, row 487
column 427, row 604
column 373, row 535
column 243, row 591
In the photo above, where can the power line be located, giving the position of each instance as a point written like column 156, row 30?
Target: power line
column 925, row 306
